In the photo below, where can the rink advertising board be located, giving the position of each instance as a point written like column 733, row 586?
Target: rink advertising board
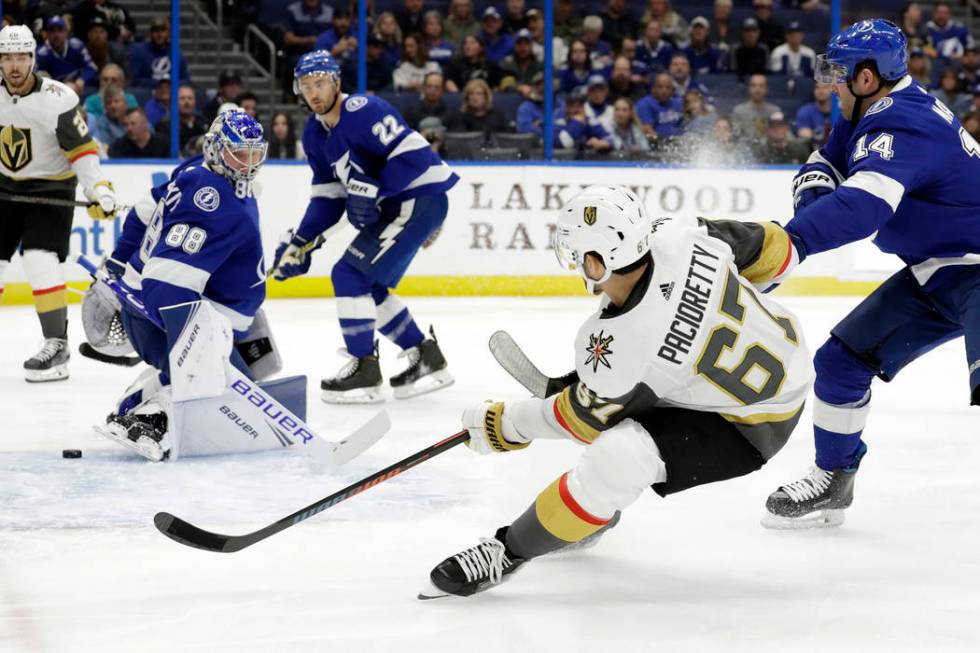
column 497, row 238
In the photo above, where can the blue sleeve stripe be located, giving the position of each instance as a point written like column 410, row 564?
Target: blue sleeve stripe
column 176, row 273
column 878, row 185
column 413, row 141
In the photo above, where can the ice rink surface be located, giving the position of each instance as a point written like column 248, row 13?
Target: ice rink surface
column 83, row 569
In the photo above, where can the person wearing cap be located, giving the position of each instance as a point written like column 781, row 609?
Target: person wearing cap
column 948, row 92
column 338, row 39
column 751, row 55
column 157, row 106
column 430, row 104
column 771, row 31
column 476, row 113
column 704, row 57
column 415, row 64
column 530, row 112
column 792, row 57
column 750, row 118
column 813, row 119
column 660, row 112
column 949, row 37
column 521, row 65
column 150, row 60
column 575, row 131
column 103, row 50
column 600, row 52
column 471, row 63
column 654, row 50
column 920, row 67
column 229, row 88
column 618, row 23
column 440, row 48
column 675, row 28
column 780, row 147
column 496, row 42
column 110, row 75
column 410, row 17
column 535, row 24
column 597, row 106
column 969, row 73
column 460, row 22
column 515, row 16
column 64, row 57
column 118, row 21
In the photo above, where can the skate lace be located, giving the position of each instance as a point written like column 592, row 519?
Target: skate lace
column 810, row 486
column 486, row 559
column 49, row 350
column 413, row 354
column 350, row 367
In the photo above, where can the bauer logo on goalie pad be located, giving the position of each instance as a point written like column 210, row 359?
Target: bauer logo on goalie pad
column 589, row 215
column 271, row 409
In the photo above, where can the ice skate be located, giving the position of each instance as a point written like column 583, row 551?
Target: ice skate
column 49, row 364
column 472, row 571
column 426, row 370
column 817, row 500
column 146, row 434
column 357, row 382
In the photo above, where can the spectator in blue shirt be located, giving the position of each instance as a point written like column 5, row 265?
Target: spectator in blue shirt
column 684, row 81
column 792, row 57
column 440, row 49
column 110, row 75
column 574, row 130
column 149, row 61
column 703, row 56
column 305, row 20
column 157, row 107
column 949, row 37
column 110, row 126
column 600, row 52
column 496, row 43
column 578, row 68
column 660, row 113
column 65, row 58
column 338, row 39
column 653, row 49
column 391, row 37
column 530, row 113
column 813, row 119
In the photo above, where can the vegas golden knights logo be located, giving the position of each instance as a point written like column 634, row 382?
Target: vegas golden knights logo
column 590, row 212
column 15, row 147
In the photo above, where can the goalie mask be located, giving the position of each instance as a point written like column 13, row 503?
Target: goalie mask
column 235, row 147
column 608, row 221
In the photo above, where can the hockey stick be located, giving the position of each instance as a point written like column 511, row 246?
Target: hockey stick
column 305, row 249
column 513, row 359
column 88, row 351
column 122, row 209
column 186, row 533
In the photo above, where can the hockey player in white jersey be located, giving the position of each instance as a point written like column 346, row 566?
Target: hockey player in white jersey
column 686, row 375
column 45, row 150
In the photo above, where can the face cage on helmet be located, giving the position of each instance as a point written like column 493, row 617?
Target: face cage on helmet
column 570, row 259
column 828, row 72
column 331, row 76
column 250, row 169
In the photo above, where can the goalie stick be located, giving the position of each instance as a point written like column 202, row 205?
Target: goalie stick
column 190, row 535
column 88, row 351
column 513, row 359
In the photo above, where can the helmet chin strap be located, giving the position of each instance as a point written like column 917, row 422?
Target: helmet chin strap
column 858, row 100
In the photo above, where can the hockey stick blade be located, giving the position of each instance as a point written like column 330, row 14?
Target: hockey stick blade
column 513, row 359
column 88, row 351
column 189, row 535
column 361, row 439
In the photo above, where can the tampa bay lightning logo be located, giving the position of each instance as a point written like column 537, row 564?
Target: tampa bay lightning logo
column 207, row 199
column 879, row 106
column 355, row 103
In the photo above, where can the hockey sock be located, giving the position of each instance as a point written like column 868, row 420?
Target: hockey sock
column 44, row 273
column 355, row 308
column 394, row 320
column 843, row 396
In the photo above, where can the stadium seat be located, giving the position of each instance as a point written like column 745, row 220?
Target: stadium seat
column 463, row 145
column 500, row 154
column 527, row 145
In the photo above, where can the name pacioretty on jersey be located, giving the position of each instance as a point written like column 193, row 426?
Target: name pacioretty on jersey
column 690, row 310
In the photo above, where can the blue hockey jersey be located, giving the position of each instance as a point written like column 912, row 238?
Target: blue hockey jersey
column 908, row 171
column 201, row 241
column 372, row 139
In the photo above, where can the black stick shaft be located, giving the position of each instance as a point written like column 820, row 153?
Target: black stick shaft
column 186, row 533
column 51, row 201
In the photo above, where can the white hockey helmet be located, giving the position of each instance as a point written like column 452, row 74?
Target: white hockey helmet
column 17, row 39
column 609, row 221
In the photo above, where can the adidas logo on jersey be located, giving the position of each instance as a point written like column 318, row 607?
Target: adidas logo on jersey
column 666, row 289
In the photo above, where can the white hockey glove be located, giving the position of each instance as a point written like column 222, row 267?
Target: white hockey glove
column 813, row 181
column 490, row 430
column 102, row 198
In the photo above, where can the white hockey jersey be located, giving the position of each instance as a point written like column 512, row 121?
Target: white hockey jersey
column 41, row 134
column 694, row 334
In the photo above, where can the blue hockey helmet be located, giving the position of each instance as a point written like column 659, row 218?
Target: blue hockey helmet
column 235, row 146
column 881, row 41
column 318, row 62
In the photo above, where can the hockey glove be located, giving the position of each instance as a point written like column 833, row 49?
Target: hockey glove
column 490, row 430
column 813, row 181
column 102, row 198
column 362, row 201
column 293, row 256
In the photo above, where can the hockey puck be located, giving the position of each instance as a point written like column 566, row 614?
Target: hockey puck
column 71, row 453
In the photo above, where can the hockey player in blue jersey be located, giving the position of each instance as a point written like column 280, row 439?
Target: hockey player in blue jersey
column 368, row 162
column 200, row 242
column 899, row 166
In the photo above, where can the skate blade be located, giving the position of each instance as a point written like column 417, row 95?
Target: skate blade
column 56, row 373
column 818, row 519
column 428, row 383
column 359, row 396
column 144, row 446
column 430, row 592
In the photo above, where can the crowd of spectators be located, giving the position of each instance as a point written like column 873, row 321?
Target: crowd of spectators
column 728, row 81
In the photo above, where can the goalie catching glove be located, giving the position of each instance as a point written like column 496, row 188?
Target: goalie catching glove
column 491, row 431
column 102, row 201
